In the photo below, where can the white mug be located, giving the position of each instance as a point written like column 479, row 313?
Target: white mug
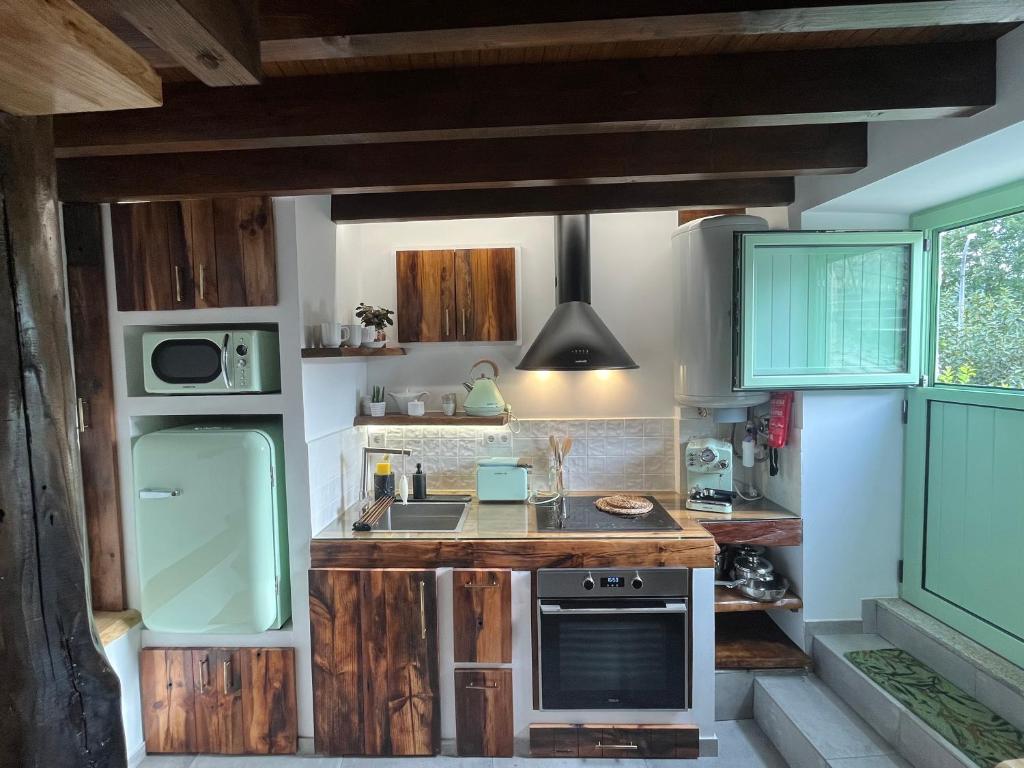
column 416, row 408
column 352, row 335
column 334, row 334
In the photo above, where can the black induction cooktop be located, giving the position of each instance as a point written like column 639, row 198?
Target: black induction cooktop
column 578, row 513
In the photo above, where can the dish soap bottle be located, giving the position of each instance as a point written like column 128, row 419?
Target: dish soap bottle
column 383, row 481
column 419, row 484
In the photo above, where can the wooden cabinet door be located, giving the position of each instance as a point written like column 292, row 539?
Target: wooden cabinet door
column 483, row 712
column 246, row 252
column 94, row 387
column 374, row 648
column 151, row 264
column 168, row 701
column 200, row 243
column 268, row 701
column 216, row 674
column 554, row 740
column 485, row 300
column 426, row 295
column 482, row 615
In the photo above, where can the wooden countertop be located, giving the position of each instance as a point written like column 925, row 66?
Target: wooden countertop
column 506, row 536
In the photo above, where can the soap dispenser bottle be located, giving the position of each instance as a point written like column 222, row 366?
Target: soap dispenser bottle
column 419, row 484
column 383, row 481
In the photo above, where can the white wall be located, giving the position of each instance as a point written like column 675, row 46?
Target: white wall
column 631, row 291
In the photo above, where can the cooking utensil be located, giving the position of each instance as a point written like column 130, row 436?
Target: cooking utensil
column 769, row 590
column 751, row 567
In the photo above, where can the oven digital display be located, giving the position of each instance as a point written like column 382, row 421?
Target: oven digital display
column 613, row 581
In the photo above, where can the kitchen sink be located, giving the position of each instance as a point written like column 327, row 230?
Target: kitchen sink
column 424, row 516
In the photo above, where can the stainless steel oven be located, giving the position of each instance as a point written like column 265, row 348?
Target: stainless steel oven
column 613, row 638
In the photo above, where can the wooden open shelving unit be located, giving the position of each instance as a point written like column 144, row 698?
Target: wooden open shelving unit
column 754, row 641
column 433, row 418
column 342, row 352
column 728, row 600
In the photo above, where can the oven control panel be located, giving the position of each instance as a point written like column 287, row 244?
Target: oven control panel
column 613, row 582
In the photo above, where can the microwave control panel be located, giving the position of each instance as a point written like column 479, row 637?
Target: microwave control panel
column 241, row 373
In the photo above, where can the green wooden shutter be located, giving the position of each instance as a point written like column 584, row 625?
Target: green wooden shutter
column 828, row 309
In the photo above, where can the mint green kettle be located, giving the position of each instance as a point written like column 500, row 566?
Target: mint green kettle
column 483, row 399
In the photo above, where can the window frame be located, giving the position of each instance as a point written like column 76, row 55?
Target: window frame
column 995, row 203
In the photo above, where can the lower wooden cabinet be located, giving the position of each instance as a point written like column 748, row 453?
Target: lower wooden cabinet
column 482, row 615
column 228, row 701
column 375, row 668
column 483, row 712
column 624, row 741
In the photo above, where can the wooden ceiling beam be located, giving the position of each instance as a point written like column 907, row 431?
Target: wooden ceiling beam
column 537, row 201
column 794, row 87
column 487, row 163
column 215, row 40
column 298, row 30
column 55, row 58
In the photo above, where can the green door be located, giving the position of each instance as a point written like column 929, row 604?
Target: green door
column 828, row 309
column 963, row 526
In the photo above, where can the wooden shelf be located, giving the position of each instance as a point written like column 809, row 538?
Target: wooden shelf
column 779, row 532
column 336, row 352
column 733, row 601
column 433, row 418
column 754, row 641
column 110, row 625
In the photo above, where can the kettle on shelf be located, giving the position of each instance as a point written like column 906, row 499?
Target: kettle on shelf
column 484, row 399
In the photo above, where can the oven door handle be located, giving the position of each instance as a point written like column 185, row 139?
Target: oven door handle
column 557, row 609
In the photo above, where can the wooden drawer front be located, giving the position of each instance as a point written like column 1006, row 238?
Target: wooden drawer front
column 648, row 741
column 483, row 712
column 482, row 610
column 554, row 740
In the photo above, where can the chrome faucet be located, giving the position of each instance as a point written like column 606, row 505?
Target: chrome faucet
column 364, row 496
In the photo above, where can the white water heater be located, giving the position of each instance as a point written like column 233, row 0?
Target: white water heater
column 703, row 301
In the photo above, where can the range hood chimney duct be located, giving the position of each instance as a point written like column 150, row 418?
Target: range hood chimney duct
column 574, row 338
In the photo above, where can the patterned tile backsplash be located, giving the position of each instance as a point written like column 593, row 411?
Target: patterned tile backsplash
column 607, row 454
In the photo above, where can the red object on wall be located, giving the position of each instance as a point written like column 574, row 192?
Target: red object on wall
column 778, row 422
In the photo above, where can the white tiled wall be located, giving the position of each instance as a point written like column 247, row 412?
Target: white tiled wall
column 607, row 454
column 334, row 473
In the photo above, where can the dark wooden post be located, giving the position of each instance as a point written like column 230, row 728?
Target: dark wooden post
column 59, row 699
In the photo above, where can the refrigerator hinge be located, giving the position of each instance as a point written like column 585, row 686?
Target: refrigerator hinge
column 899, row 571
column 905, row 411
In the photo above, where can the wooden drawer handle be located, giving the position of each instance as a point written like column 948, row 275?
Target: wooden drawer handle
column 471, row 585
column 616, row 746
column 485, row 687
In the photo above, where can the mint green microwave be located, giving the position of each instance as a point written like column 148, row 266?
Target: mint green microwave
column 209, row 362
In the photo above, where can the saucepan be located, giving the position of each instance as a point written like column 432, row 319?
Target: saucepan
column 747, row 567
column 767, row 590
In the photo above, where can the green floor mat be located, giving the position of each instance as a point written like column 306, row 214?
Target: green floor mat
column 961, row 719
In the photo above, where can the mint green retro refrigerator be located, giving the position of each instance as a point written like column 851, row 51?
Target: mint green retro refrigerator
column 212, row 529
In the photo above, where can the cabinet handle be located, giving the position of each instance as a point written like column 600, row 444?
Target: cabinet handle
column 463, row 322
column 471, row 585
column 227, row 676
column 177, row 283
column 82, row 423
column 599, row 745
column 202, row 281
column 447, row 325
column 204, row 674
column 485, row 687
column 423, row 611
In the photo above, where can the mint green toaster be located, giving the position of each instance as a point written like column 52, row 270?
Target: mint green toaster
column 504, row 478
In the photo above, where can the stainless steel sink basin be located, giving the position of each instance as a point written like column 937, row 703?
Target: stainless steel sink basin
column 424, row 516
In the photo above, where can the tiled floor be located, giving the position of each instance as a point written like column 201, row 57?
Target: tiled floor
column 741, row 745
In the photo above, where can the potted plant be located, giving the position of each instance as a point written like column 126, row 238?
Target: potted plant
column 377, row 404
column 378, row 318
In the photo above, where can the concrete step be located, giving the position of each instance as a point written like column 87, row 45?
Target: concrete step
column 911, row 736
column 986, row 676
column 812, row 728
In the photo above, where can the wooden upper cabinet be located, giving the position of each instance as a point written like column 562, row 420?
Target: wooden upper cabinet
column 467, row 294
column 485, row 294
column 375, row 666
column 426, row 296
column 194, row 253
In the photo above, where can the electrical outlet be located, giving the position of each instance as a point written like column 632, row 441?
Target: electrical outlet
column 377, row 439
column 504, row 438
column 491, row 438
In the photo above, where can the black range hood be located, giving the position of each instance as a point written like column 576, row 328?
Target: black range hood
column 574, row 338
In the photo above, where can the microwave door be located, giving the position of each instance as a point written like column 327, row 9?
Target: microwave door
column 191, row 363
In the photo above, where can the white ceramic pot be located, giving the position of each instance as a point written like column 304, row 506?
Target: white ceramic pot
column 377, row 409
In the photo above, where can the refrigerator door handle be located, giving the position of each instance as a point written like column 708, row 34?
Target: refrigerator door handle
column 159, row 493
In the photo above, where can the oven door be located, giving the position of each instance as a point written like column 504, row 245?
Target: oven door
column 193, row 362
column 614, row 654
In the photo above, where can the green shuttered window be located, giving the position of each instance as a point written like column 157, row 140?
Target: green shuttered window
column 828, row 309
